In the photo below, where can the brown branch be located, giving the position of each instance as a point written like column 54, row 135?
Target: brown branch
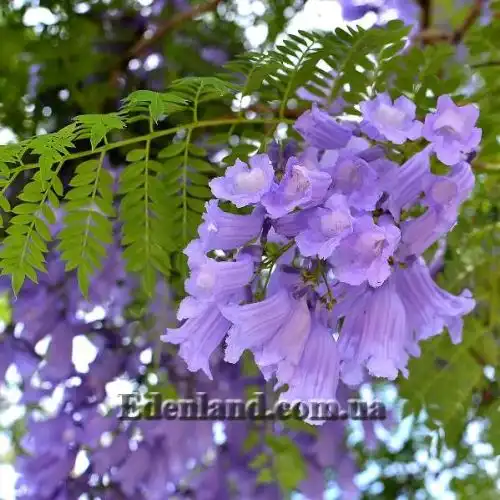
column 471, row 18
column 425, row 16
column 173, row 23
column 428, row 35
column 433, row 36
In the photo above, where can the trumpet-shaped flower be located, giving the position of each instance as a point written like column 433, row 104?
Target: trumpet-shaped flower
column 451, row 130
column 245, row 184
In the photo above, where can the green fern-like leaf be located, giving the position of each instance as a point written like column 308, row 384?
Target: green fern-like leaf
column 24, row 249
column 96, row 127
column 87, row 222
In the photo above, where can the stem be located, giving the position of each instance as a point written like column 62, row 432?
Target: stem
column 92, row 201
column 284, row 101
column 323, row 275
column 184, row 187
column 170, row 131
column 275, row 259
column 146, row 192
column 486, row 64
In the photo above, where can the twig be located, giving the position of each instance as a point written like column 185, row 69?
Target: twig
column 485, row 64
column 468, row 22
column 478, row 357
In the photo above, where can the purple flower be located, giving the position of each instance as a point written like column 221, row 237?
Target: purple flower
column 443, row 196
column 299, row 187
column 313, row 485
column 376, row 334
column 284, row 348
column 406, row 183
column 290, row 225
column 242, row 184
column 219, row 280
column 328, row 225
column 395, row 122
column 357, row 180
column 364, row 254
column 51, row 436
column 407, row 10
column 451, row 130
column 429, row 308
column 199, row 336
column 195, row 253
column 316, row 375
column 224, row 231
column 418, row 234
column 321, row 131
column 15, row 351
column 94, row 425
column 274, row 329
column 446, row 193
column 352, row 11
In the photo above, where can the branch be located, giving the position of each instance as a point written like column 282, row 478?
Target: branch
column 471, row 18
column 433, row 36
column 173, row 23
column 429, row 35
column 425, row 16
column 485, row 64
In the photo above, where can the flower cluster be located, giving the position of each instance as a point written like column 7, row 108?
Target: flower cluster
column 313, row 260
column 82, row 449
column 79, row 446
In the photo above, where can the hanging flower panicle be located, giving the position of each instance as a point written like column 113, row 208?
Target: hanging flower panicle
column 324, row 279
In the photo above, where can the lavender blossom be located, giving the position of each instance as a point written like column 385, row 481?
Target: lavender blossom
column 274, row 329
column 316, row 375
column 245, row 184
column 451, row 130
column 430, row 309
column 321, row 131
column 199, row 336
column 299, row 187
column 327, row 227
column 356, row 179
column 365, row 253
column 224, row 231
column 213, row 280
column 376, row 334
column 394, row 122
